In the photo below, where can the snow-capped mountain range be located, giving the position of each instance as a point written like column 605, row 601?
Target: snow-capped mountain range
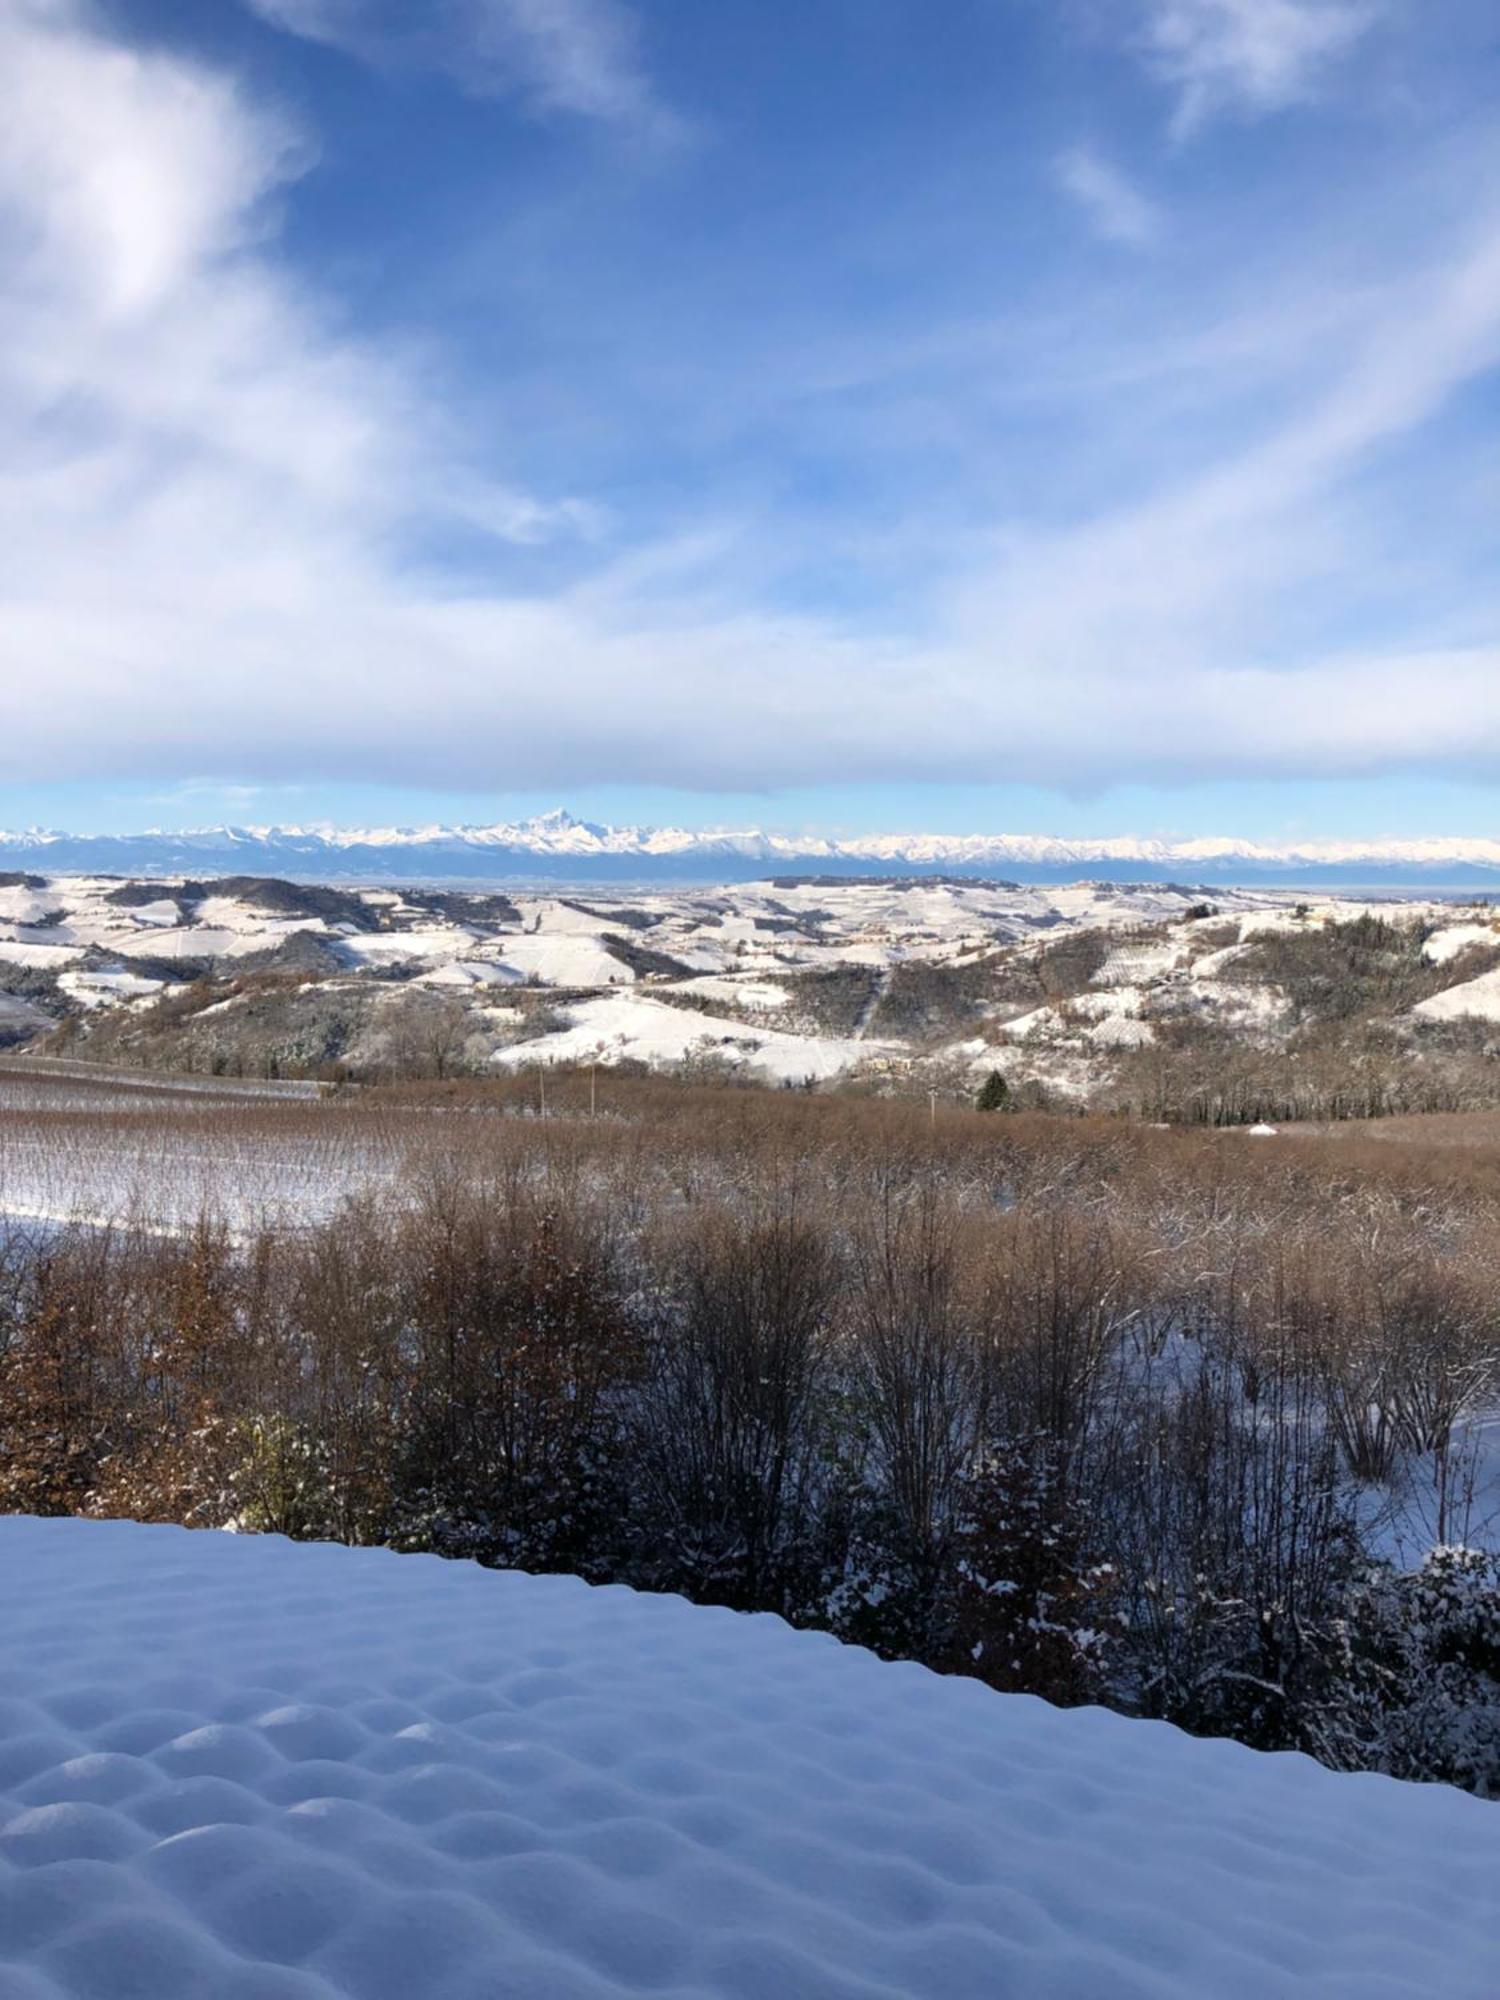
column 557, row 847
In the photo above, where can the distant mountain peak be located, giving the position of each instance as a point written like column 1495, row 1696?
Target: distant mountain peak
column 559, row 846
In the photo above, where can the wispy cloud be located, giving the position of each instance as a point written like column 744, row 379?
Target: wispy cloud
column 577, row 56
column 194, row 468
column 1113, row 204
column 206, row 492
column 1170, row 606
column 192, row 793
column 1248, row 55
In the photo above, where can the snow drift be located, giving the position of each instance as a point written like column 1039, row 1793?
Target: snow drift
column 259, row 1770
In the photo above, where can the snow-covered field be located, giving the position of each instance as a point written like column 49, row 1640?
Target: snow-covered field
column 246, row 1769
column 1477, row 998
column 80, row 1145
column 616, row 1026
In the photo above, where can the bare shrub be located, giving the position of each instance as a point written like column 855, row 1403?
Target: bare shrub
column 728, row 1441
column 518, row 1335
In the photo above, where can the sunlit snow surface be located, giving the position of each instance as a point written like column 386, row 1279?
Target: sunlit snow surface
column 241, row 1769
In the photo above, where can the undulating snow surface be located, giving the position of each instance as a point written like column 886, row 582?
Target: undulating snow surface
column 241, row 1769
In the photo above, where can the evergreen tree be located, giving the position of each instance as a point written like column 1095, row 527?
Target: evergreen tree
column 994, row 1093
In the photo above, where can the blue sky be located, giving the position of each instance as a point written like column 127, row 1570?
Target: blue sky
column 1070, row 415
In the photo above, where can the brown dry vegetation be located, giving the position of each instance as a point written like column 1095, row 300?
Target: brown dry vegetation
column 1082, row 1407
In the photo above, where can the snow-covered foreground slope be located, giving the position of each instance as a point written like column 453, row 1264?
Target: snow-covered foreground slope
column 254, row 1770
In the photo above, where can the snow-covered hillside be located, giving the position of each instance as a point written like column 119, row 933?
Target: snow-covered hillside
column 797, row 980
column 1186, row 972
column 255, row 1770
column 716, row 960
column 557, row 846
column 56, row 922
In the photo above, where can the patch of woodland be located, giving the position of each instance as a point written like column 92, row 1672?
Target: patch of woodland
column 1339, row 971
column 641, row 959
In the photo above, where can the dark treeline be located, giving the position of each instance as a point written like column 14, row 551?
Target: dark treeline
column 1083, row 1411
column 1201, row 1074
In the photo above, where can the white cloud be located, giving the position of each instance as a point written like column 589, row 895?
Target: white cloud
column 1248, row 55
column 579, row 56
column 1116, row 208
column 117, row 221
column 192, row 792
column 204, row 490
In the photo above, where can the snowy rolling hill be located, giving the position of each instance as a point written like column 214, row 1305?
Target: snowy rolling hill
column 659, row 977
column 558, row 847
column 795, row 980
column 256, row 1770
